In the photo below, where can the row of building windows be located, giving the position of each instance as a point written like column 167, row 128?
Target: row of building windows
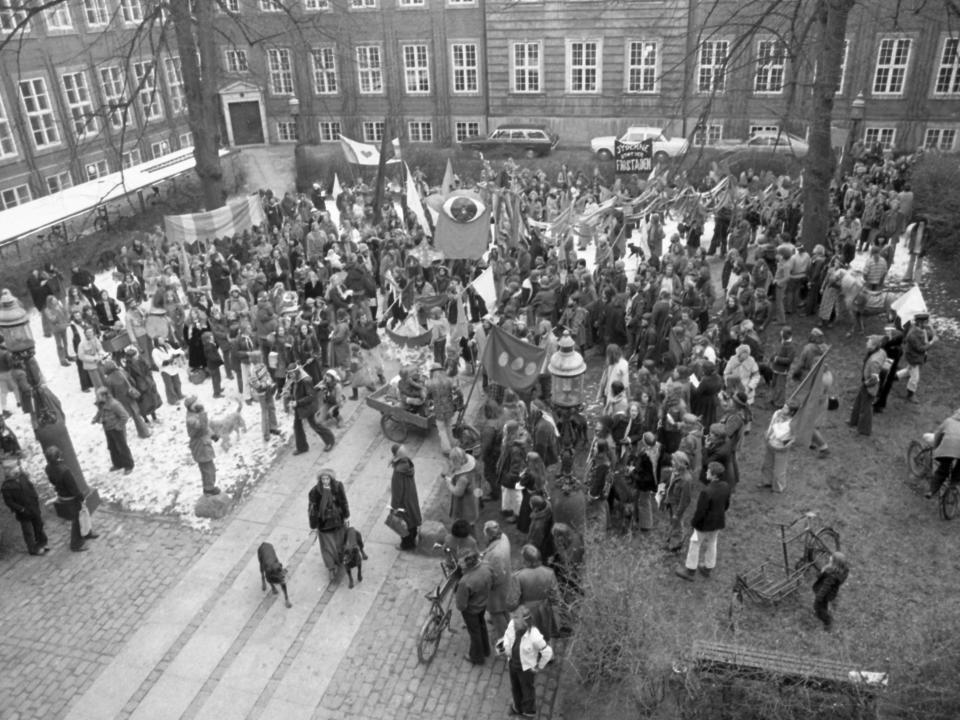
column 584, row 71
column 418, row 131
column 85, row 111
column 92, row 169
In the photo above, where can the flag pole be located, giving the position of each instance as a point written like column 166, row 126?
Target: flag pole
column 381, row 171
column 813, row 370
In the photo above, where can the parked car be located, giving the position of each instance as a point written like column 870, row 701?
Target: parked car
column 663, row 145
column 768, row 141
column 517, row 140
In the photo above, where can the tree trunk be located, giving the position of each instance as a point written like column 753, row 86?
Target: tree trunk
column 198, row 63
column 820, row 161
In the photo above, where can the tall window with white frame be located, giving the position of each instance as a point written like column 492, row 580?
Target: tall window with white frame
column 130, row 158
column 940, row 138
column 325, row 71
column 363, row 4
column 712, row 66
column 236, row 60
column 329, row 130
column 416, row 69
column 948, row 73
column 96, row 13
column 13, row 16
column 113, row 84
column 280, row 68
column 287, row 131
column 132, row 11
column 526, row 67
column 463, row 129
column 8, row 146
column 271, row 6
column 159, row 149
column 369, row 69
column 58, row 182
column 893, row 58
column 771, row 67
column 412, row 3
column 642, row 66
column 58, row 18
column 174, row 75
column 583, row 60
column 96, row 169
column 885, row 136
column 76, row 91
column 708, row 134
column 465, row 67
column 145, row 75
column 40, row 118
column 420, row 131
column 314, row 5
column 230, row 6
column 373, row 131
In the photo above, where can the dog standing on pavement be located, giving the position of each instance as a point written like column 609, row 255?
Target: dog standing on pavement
column 271, row 571
column 231, row 422
column 353, row 554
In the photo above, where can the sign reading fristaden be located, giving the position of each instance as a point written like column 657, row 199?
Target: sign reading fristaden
column 633, row 157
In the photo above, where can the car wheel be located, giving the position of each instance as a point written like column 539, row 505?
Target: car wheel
column 604, row 154
column 529, row 153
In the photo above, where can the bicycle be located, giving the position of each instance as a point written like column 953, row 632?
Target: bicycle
column 920, row 464
column 441, row 609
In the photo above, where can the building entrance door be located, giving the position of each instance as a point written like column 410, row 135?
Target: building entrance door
column 245, row 122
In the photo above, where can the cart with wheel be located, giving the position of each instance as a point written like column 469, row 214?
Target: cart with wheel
column 396, row 420
column 767, row 586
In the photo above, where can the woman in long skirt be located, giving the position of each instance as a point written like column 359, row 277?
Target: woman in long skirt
column 328, row 512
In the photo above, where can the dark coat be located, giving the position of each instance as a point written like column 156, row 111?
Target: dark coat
column 828, row 583
column 62, row 480
column 545, row 442
column 20, row 495
column 192, row 339
column 304, row 397
column 403, row 492
column 704, row 400
column 712, row 507
column 315, row 507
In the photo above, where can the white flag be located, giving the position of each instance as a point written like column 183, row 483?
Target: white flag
column 333, row 208
column 909, row 304
column 359, row 153
column 486, row 289
column 414, row 202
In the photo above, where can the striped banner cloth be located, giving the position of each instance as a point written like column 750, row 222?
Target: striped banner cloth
column 233, row 218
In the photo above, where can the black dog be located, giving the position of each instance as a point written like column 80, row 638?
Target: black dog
column 271, row 571
column 353, row 554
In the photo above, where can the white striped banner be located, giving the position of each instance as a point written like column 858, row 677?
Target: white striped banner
column 233, row 218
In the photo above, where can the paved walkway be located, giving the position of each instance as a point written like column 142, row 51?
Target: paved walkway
column 160, row 637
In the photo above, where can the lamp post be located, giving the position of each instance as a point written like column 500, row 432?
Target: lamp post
column 294, row 105
column 567, row 370
column 46, row 412
column 857, row 108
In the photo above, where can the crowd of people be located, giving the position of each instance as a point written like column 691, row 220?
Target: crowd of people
column 292, row 311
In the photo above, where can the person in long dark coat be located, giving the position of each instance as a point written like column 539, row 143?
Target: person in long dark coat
column 138, row 370
column 193, row 339
column 403, row 495
column 705, row 399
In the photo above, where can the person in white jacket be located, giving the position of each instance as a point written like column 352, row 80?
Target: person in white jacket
column 527, row 653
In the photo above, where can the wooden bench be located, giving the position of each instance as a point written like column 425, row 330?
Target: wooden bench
column 832, row 676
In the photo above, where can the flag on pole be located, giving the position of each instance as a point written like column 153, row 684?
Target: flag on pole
column 415, row 203
column 359, row 153
column 333, row 208
column 231, row 219
column 486, row 288
column 510, row 361
column 909, row 305
column 462, row 229
column 812, row 394
column 447, row 184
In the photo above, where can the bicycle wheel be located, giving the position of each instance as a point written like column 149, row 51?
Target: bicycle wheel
column 919, row 459
column 429, row 639
column 394, row 429
column 949, row 499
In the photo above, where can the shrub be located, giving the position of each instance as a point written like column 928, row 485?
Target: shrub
column 934, row 179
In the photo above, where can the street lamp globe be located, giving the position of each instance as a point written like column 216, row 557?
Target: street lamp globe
column 567, row 368
column 15, row 324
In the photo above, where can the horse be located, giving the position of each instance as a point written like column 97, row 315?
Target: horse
column 860, row 301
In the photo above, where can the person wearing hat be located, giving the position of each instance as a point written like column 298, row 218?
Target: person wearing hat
column 779, row 439
column 497, row 556
column 330, row 390
column 113, row 417
column 440, row 388
column 328, row 512
column 201, row 444
column 527, row 653
column 874, row 364
column 300, row 392
column 920, row 337
column 708, row 520
column 472, row 595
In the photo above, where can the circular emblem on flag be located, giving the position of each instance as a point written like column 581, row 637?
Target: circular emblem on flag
column 530, row 369
column 503, row 359
column 517, row 364
column 463, row 209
